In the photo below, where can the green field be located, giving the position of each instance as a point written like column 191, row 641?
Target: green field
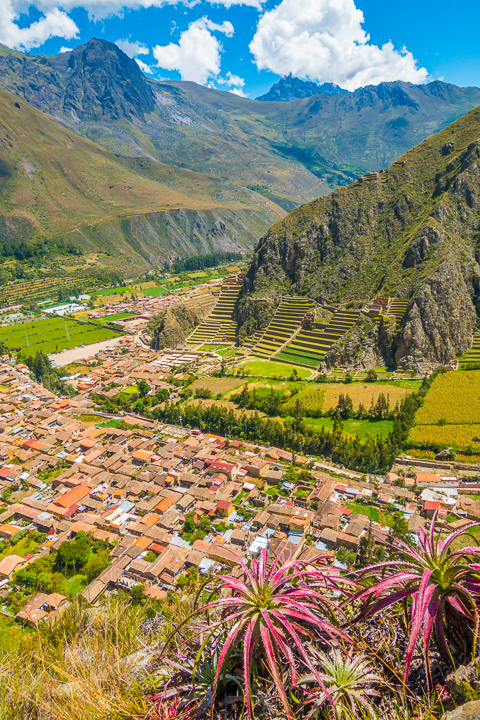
column 52, row 335
column 450, row 414
column 354, row 427
column 154, row 291
column 360, row 509
column 454, row 397
column 119, row 316
column 269, row 369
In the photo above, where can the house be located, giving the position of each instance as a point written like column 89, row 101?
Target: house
column 468, row 507
column 8, row 531
column 9, row 565
column 350, row 542
column 228, row 469
column 41, row 607
column 224, row 508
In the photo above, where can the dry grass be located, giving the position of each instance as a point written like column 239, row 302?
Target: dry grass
column 218, row 386
column 362, row 393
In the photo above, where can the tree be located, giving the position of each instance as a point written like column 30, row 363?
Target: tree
column 189, row 525
column 371, row 376
column 138, row 595
column 96, row 565
column 366, row 549
column 143, row 388
column 73, row 553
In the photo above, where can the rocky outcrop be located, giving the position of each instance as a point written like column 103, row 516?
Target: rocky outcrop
column 469, row 711
column 357, row 349
column 94, row 81
column 464, row 681
column 411, row 231
column 292, row 88
column 172, row 327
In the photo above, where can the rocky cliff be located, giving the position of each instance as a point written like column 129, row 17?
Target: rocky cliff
column 411, row 231
column 95, row 81
column 292, row 88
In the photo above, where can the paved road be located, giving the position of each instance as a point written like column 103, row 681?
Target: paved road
column 80, row 353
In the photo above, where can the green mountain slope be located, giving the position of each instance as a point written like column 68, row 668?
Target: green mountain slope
column 412, row 231
column 291, row 151
column 57, row 186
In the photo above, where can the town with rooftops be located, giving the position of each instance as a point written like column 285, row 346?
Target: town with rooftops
column 96, row 502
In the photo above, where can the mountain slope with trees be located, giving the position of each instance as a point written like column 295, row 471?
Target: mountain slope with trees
column 411, row 231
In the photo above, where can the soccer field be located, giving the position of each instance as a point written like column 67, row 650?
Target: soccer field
column 52, row 335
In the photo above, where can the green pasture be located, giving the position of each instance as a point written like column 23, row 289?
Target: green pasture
column 51, row 335
column 354, row 427
column 267, row 368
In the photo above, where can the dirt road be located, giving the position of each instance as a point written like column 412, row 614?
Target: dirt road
column 80, row 353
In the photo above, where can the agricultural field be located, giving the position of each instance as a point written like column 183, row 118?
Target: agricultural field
column 458, row 436
column 361, row 393
column 354, row 427
column 218, row 386
column 266, row 368
column 325, row 396
column 51, row 335
column 454, row 397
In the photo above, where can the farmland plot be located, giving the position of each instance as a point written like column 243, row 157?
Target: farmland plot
column 454, row 398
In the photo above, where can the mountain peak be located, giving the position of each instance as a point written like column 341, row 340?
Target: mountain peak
column 103, row 82
column 292, row 88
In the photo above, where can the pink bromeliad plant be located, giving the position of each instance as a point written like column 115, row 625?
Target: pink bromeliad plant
column 274, row 609
column 443, row 585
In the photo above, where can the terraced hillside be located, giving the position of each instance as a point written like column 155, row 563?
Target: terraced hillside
column 410, row 232
column 472, row 355
column 284, row 324
column 220, row 325
column 398, row 309
column 309, row 347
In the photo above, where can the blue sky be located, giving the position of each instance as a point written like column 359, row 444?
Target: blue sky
column 246, row 45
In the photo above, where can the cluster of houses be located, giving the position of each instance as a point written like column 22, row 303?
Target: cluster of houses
column 66, row 469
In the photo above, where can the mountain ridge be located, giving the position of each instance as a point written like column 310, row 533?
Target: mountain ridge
column 293, row 88
column 56, row 186
column 303, row 148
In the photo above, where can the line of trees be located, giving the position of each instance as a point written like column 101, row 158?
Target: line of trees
column 201, row 262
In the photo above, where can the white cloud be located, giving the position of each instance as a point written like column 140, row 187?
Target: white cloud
column 234, row 83
column 144, row 67
column 238, row 91
column 64, row 49
column 197, row 55
column 132, row 49
column 324, row 40
column 55, row 24
column 100, row 9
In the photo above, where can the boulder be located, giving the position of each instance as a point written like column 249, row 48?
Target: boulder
column 469, row 711
column 463, row 680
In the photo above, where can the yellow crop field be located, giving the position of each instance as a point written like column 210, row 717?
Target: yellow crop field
column 449, row 435
column 363, row 393
column 453, row 397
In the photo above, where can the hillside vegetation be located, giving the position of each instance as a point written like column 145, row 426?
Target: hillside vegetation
column 56, row 186
column 410, row 231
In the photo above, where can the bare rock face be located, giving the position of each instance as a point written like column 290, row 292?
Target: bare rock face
column 440, row 321
column 469, row 711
